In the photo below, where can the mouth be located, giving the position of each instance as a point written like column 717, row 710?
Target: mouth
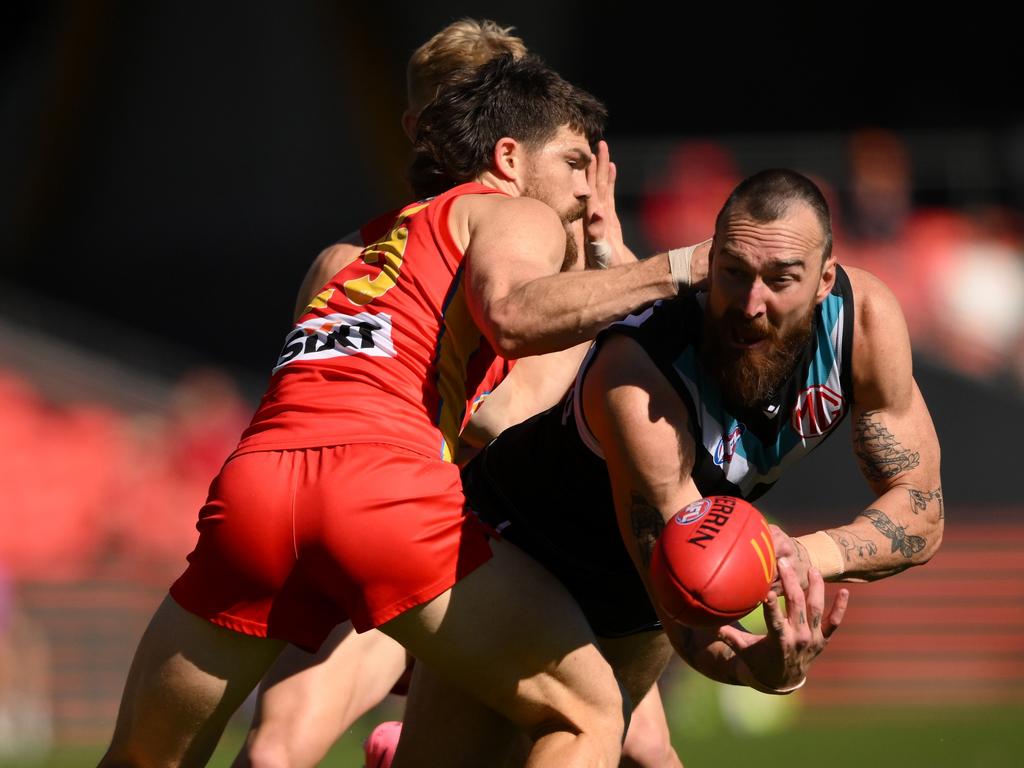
column 746, row 339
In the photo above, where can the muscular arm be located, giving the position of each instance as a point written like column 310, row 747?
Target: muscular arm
column 643, row 430
column 514, row 249
column 642, row 427
column 895, row 444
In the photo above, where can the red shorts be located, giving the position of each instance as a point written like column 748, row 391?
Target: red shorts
column 292, row 543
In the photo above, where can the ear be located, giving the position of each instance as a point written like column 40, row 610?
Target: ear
column 827, row 280
column 409, row 118
column 508, row 159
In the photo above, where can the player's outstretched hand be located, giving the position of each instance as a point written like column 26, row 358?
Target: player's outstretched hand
column 604, row 244
column 778, row 662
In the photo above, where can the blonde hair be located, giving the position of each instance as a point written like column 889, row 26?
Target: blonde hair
column 462, row 44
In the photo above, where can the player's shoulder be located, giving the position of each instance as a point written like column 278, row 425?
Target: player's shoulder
column 874, row 302
column 336, row 257
column 620, row 360
column 881, row 343
column 503, row 209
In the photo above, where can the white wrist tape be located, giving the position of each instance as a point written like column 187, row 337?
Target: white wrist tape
column 602, row 253
column 824, row 553
column 679, row 263
column 745, row 676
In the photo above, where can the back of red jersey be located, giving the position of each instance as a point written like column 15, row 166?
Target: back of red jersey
column 387, row 352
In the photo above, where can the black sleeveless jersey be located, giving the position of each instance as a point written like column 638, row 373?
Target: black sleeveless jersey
column 543, row 484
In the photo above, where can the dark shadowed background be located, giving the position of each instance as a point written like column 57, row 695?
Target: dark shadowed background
column 168, row 171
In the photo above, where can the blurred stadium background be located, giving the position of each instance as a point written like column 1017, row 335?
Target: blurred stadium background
column 169, row 170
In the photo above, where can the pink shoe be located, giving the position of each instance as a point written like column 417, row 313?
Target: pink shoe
column 379, row 747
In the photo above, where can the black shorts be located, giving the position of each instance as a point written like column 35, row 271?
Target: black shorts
column 575, row 539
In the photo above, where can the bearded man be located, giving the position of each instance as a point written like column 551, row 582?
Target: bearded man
column 715, row 393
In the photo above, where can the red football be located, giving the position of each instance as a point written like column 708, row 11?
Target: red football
column 713, row 563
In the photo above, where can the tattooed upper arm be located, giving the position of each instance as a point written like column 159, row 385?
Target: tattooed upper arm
column 880, row 454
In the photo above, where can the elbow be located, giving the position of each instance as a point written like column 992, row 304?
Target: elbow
column 510, row 345
column 934, row 541
column 507, row 334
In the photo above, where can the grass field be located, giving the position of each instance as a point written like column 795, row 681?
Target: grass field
column 976, row 738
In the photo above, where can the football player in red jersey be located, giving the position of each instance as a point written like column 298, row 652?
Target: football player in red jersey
column 306, row 700
column 278, row 561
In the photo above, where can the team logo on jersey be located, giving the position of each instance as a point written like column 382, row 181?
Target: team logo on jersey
column 817, row 410
column 338, row 335
column 693, row 512
column 726, row 447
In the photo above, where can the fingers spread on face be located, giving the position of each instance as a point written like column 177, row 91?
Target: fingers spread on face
column 600, row 160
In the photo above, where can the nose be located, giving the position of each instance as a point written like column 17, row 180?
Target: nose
column 754, row 304
column 581, row 188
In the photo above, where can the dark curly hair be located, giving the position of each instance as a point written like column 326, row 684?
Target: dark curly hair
column 520, row 98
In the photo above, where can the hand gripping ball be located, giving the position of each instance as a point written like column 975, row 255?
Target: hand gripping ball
column 713, row 563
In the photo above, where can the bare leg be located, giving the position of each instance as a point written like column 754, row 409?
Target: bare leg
column 307, row 701
column 648, row 741
column 187, row 678
column 476, row 734
column 512, row 637
column 639, row 661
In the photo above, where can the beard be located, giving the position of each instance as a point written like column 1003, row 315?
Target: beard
column 537, row 191
column 749, row 378
column 572, row 252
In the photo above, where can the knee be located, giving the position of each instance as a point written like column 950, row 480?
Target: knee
column 595, row 716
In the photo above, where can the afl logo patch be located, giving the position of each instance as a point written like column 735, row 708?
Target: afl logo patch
column 693, row 512
column 726, row 447
column 817, row 410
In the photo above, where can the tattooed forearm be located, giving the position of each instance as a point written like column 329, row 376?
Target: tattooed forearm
column 647, row 526
column 907, row 544
column 853, row 545
column 919, row 501
column 879, row 452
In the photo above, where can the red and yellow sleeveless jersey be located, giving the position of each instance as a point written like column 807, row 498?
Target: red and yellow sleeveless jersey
column 387, row 352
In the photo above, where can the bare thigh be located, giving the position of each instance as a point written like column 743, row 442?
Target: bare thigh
column 511, row 637
column 474, row 735
column 639, row 660
column 648, row 741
